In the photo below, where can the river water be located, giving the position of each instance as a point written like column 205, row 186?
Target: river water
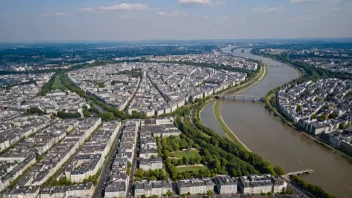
column 266, row 135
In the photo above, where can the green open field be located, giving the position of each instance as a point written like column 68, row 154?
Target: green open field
column 187, row 154
column 57, row 84
column 190, row 168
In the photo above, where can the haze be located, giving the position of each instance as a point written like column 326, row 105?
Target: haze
column 39, row 20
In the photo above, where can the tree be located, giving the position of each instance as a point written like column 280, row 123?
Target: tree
column 289, row 191
column 64, row 115
column 314, row 116
column 128, row 170
column 139, row 173
column 299, row 108
column 169, row 193
column 210, row 193
column 153, row 178
column 34, row 110
column 106, row 116
column 86, row 113
column 322, row 117
column 279, row 170
column 332, row 116
column 184, row 160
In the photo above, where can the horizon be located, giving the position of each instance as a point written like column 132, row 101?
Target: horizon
column 326, row 39
column 137, row 20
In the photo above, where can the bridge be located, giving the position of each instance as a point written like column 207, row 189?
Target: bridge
column 240, row 98
column 300, row 172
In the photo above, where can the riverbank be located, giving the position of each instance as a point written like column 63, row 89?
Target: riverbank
column 216, row 108
column 234, row 90
column 228, row 132
column 270, row 103
column 201, row 110
column 275, row 141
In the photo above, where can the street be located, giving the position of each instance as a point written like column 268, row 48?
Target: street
column 106, row 170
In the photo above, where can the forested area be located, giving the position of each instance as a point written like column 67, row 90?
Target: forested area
column 218, row 154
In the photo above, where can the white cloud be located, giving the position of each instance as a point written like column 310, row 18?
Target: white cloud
column 195, row 2
column 175, row 13
column 125, row 6
column 202, row 2
column 225, row 17
column 125, row 17
column 312, row 1
column 219, row 3
column 205, row 17
column 336, row 9
column 45, row 15
column 299, row 19
column 55, row 14
column 85, row 10
column 60, row 14
column 268, row 9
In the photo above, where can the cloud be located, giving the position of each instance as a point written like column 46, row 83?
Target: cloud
column 55, row 14
column 268, row 9
column 299, row 19
column 195, row 2
column 205, row 17
column 175, row 13
column 60, row 14
column 85, row 10
column 125, row 6
column 201, row 2
column 45, row 15
column 125, row 17
column 219, row 3
column 336, row 9
column 225, row 17
column 311, row 1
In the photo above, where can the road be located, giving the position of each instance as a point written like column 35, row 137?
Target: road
column 107, row 166
column 297, row 192
column 133, row 167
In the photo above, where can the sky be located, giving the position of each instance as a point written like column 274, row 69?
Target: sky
column 121, row 20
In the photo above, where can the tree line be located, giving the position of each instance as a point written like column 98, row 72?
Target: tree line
column 151, row 175
column 315, row 190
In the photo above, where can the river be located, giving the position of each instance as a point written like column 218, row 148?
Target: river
column 266, row 135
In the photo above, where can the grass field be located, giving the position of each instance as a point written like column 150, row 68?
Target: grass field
column 190, row 168
column 57, row 84
column 187, row 154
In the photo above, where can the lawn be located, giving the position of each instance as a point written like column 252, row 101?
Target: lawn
column 187, row 154
column 190, row 168
column 57, row 84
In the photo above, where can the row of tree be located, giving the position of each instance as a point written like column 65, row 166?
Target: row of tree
column 186, row 161
column 178, row 175
column 64, row 115
column 315, row 190
column 113, row 112
column 151, row 175
column 222, row 145
column 173, row 143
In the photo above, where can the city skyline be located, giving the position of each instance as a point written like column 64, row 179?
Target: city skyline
column 174, row 19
